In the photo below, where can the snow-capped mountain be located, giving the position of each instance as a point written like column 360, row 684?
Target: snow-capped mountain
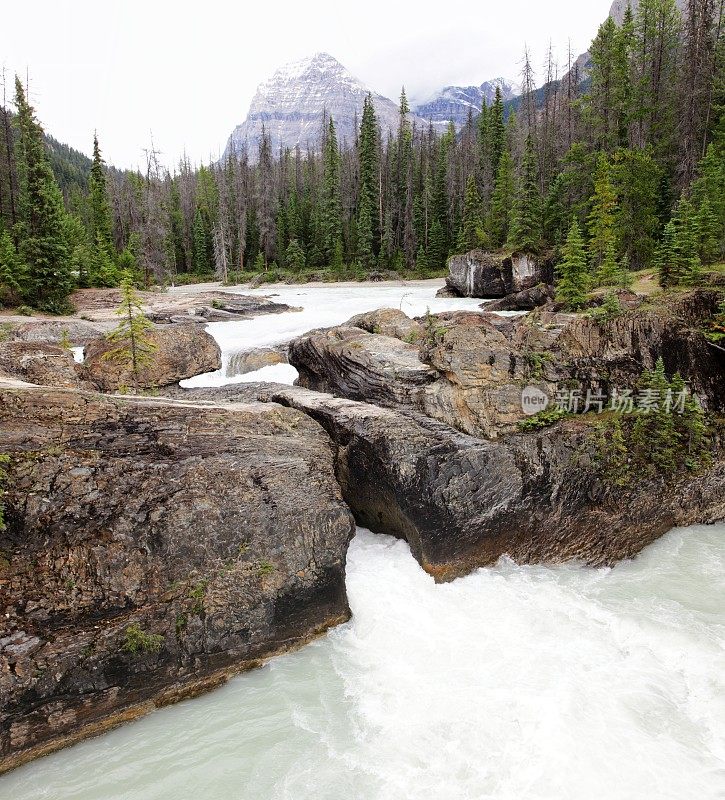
column 453, row 103
column 291, row 104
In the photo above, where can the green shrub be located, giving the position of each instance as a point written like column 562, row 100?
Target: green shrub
column 544, row 419
column 25, row 311
column 138, row 641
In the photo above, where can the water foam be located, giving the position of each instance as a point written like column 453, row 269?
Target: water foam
column 515, row 682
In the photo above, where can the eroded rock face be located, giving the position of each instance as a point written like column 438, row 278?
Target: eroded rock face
column 470, row 368
column 462, row 502
column 182, row 351
column 153, row 548
column 40, row 362
column 252, row 360
column 389, row 322
column 482, row 274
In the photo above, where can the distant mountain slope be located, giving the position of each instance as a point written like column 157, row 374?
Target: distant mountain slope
column 453, row 103
column 290, row 106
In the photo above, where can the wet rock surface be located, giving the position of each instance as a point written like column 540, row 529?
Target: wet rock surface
column 153, row 548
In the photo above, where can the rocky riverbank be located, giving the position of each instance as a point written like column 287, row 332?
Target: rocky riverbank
column 152, row 548
column 156, row 545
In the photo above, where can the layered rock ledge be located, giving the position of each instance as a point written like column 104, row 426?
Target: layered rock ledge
column 154, row 547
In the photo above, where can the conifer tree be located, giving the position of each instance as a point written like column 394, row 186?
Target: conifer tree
column 295, row 256
column 526, row 224
column 502, row 200
column 369, row 193
column 497, row 132
column 133, row 349
column 602, row 219
column 708, row 229
column 471, row 233
column 666, row 258
column 687, row 244
column 608, row 273
column 637, row 180
column 202, row 265
column 11, row 270
column 42, row 246
column 572, row 282
column 102, row 270
column 331, row 216
column 101, row 223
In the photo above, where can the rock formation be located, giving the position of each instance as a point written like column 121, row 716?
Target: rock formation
column 152, row 549
column 481, row 274
column 182, row 351
column 467, row 369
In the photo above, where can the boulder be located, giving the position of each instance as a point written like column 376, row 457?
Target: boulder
column 353, row 363
column 388, row 322
column 482, row 274
column 525, row 300
column 182, row 351
column 153, row 548
column 40, row 363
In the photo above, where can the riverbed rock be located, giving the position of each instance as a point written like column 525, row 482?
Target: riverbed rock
column 471, row 367
column 388, row 322
column 257, row 358
column 182, row 351
column 40, row 362
column 153, row 548
column 76, row 332
column 182, row 305
column 482, row 274
column 462, row 502
column 525, row 300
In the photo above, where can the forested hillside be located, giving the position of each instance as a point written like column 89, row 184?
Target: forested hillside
column 624, row 171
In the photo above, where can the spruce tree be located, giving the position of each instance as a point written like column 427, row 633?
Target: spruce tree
column 101, row 223
column 12, row 272
column 502, row 201
column 708, row 229
column 133, row 348
column 471, row 233
column 331, row 214
column 202, row 265
column 666, row 259
column 602, row 219
column 687, row 244
column 572, row 282
column 496, row 132
column 608, row 273
column 295, row 256
column 79, row 249
column 526, row 224
column 42, row 245
column 369, row 193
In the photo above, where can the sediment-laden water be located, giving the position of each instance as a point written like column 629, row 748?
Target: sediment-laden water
column 514, row 682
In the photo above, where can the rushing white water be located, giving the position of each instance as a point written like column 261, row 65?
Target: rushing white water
column 516, row 682
column 322, row 306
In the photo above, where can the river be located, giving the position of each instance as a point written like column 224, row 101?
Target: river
column 514, row 683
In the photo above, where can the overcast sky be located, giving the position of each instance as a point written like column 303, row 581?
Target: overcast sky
column 186, row 71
